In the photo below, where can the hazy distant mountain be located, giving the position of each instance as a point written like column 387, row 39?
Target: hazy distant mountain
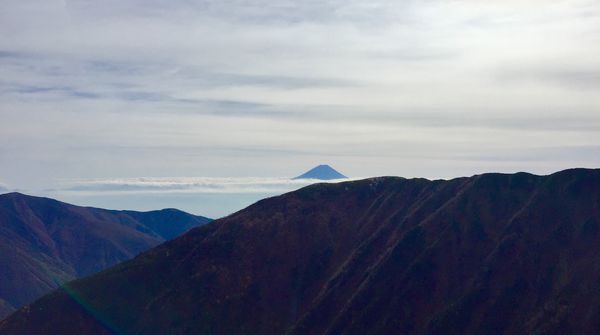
column 490, row 254
column 322, row 172
column 44, row 242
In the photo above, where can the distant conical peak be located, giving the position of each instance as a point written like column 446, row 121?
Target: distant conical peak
column 322, row 172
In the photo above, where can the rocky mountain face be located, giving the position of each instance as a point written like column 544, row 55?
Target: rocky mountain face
column 44, row 242
column 489, row 254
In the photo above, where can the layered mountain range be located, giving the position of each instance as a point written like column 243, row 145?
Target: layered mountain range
column 44, row 242
column 489, row 254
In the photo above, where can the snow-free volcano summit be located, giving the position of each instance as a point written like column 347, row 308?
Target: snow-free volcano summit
column 322, row 172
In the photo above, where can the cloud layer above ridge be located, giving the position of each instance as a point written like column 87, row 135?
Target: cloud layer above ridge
column 239, row 88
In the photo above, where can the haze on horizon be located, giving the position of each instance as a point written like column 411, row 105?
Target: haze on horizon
column 127, row 89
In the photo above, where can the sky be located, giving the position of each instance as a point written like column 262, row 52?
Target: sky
column 98, row 95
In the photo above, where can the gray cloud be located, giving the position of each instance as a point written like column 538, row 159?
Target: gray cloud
column 575, row 77
column 216, row 88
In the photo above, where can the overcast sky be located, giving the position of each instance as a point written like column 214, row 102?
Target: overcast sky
column 230, row 88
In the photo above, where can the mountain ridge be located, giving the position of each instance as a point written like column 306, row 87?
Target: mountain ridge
column 491, row 253
column 45, row 242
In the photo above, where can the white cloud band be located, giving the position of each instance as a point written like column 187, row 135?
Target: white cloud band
column 232, row 185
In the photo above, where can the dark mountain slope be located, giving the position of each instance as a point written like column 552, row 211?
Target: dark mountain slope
column 490, row 254
column 44, row 242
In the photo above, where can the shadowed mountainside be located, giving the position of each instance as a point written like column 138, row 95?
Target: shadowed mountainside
column 490, row 254
column 44, row 242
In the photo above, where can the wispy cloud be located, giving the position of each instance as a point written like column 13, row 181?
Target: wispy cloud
column 221, row 185
column 209, row 196
column 569, row 77
column 128, row 88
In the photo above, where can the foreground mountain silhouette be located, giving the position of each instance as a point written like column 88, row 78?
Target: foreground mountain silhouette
column 322, row 172
column 489, row 254
column 44, row 242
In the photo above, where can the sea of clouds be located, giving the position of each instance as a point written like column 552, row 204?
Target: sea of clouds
column 208, row 196
column 188, row 185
